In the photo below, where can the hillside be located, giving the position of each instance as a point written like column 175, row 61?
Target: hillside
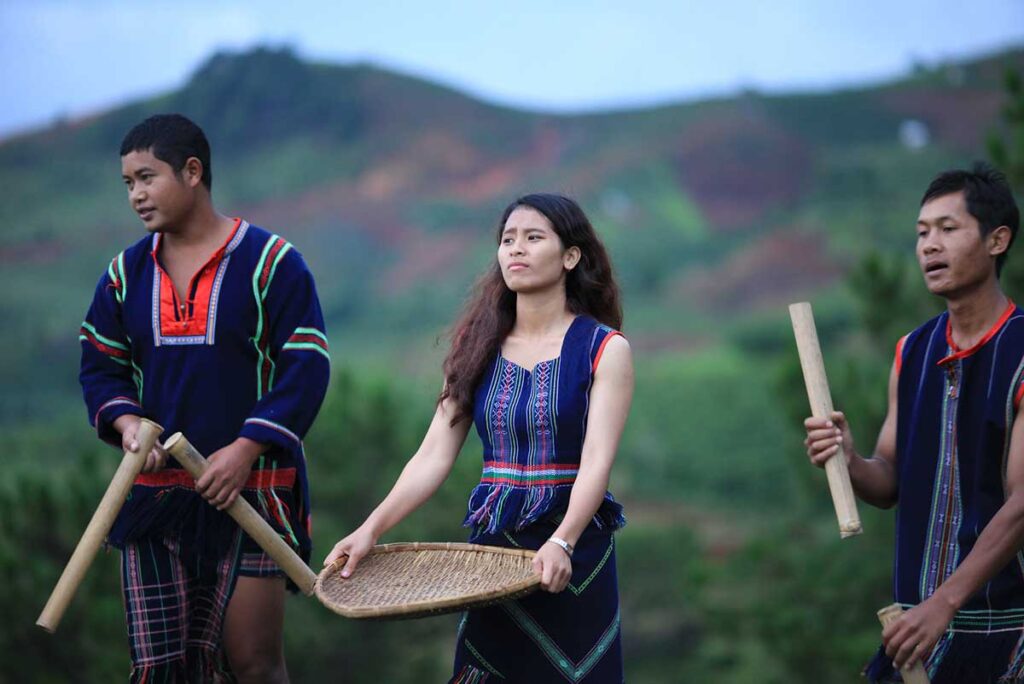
column 717, row 214
column 715, row 211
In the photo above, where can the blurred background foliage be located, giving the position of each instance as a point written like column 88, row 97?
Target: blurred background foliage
column 717, row 214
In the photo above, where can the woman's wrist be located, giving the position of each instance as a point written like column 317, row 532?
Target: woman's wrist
column 370, row 528
column 563, row 544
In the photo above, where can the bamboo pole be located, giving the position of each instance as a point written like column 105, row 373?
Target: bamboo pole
column 98, row 527
column 916, row 673
column 821, row 407
column 247, row 518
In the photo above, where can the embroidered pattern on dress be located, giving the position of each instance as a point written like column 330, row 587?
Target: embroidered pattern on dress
column 942, row 549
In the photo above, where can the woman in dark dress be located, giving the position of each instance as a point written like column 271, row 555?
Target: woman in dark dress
column 537, row 364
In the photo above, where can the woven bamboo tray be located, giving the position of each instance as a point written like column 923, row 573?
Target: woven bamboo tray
column 419, row 579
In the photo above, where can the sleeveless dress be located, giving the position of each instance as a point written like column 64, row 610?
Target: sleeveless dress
column 532, row 424
column 955, row 411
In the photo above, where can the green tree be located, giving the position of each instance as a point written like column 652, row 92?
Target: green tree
column 1007, row 153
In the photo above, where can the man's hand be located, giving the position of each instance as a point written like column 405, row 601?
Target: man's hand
column 128, row 426
column 825, row 436
column 228, row 470
column 913, row 636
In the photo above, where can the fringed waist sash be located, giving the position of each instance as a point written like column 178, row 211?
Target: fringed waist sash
column 511, row 496
column 515, row 475
column 166, row 502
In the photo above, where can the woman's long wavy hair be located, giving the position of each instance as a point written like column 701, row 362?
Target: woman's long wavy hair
column 490, row 313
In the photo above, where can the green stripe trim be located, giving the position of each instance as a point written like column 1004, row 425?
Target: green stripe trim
column 123, row 362
column 308, row 346
column 476, row 654
column 1009, row 617
column 113, row 272
column 273, row 268
column 266, row 288
column 260, row 297
column 124, row 278
column 105, row 340
column 137, row 378
column 311, row 331
column 259, row 314
column 586, row 582
column 284, row 519
column 599, row 648
column 529, row 477
column 569, row 669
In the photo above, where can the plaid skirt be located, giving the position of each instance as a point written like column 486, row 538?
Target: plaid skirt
column 572, row 636
column 175, row 608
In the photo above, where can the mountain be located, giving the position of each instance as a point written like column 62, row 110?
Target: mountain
column 716, row 212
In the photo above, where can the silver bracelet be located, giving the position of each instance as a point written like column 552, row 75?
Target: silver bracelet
column 566, row 546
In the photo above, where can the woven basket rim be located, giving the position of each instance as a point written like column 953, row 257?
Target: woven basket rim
column 437, row 606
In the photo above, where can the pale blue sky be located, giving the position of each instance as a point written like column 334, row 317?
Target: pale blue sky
column 64, row 57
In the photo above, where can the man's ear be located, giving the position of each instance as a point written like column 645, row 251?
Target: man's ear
column 192, row 172
column 999, row 240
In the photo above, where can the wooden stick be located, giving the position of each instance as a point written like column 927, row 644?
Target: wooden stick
column 247, row 518
column 915, row 674
column 99, row 526
column 821, row 407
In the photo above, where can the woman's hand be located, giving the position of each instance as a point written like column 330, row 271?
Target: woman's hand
column 553, row 565
column 355, row 546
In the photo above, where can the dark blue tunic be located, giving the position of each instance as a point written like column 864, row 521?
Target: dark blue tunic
column 532, row 424
column 244, row 354
column 955, row 413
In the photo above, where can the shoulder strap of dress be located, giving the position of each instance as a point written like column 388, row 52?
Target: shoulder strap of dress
column 598, row 340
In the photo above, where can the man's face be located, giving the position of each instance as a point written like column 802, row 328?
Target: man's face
column 953, row 255
column 161, row 197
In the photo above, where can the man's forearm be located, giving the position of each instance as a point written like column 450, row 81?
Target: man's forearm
column 996, row 546
column 874, row 480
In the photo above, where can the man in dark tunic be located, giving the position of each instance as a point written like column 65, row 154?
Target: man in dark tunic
column 950, row 455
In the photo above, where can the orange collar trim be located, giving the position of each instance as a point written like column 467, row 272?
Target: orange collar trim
column 964, row 353
column 223, row 249
column 189, row 318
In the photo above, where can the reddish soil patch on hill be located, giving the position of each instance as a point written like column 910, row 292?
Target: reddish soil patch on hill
column 341, row 203
column 958, row 117
column 737, row 165
column 424, row 258
column 497, row 178
column 767, row 273
column 437, row 164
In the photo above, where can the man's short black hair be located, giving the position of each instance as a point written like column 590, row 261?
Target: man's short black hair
column 988, row 198
column 172, row 138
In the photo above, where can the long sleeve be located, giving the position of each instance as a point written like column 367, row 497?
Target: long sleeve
column 294, row 359
column 107, row 375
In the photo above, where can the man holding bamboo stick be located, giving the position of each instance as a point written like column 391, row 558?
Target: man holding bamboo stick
column 950, row 454
column 210, row 326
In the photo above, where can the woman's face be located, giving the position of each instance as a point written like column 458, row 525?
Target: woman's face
column 531, row 254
